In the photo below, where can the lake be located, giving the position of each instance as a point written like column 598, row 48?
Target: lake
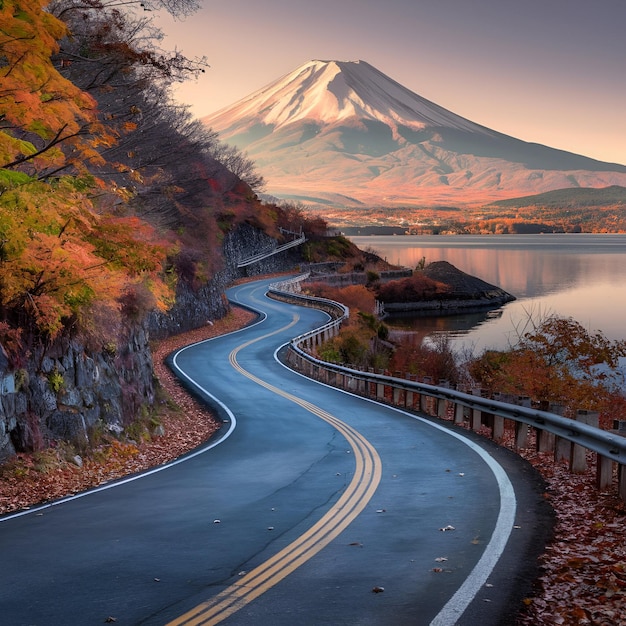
column 582, row 276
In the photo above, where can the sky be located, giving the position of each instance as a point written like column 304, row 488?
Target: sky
column 546, row 71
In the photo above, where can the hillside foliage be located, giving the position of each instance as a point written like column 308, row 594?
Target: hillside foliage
column 110, row 192
column 411, row 289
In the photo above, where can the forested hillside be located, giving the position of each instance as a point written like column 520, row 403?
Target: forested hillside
column 113, row 202
column 110, row 191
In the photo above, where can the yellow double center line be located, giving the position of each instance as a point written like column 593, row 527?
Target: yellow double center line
column 367, row 474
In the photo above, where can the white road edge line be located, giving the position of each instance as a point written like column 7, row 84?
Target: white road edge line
column 455, row 607
column 160, row 468
column 465, row 594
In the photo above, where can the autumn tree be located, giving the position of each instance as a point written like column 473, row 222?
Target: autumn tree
column 93, row 117
column 46, row 122
column 431, row 357
column 557, row 360
column 411, row 289
column 169, row 164
column 58, row 258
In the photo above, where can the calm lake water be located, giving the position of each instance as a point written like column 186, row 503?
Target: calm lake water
column 582, row 276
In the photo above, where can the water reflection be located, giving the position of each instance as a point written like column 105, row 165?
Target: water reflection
column 578, row 276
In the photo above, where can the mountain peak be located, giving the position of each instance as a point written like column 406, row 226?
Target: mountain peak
column 330, row 91
column 344, row 133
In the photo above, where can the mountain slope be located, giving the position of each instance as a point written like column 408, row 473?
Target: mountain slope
column 574, row 198
column 345, row 133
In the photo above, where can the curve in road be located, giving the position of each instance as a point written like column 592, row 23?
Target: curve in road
column 368, row 470
column 375, row 508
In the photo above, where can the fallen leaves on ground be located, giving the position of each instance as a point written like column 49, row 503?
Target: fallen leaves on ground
column 31, row 479
column 584, row 568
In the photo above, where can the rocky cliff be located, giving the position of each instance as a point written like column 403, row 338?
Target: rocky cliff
column 66, row 392
column 71, row 393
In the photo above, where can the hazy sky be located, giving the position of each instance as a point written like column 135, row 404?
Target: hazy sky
column 548, row 71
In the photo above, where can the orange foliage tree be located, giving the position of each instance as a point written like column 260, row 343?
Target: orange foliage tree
column 412, row 289
column 57, row 257
column 558, row 361
column 46, row 122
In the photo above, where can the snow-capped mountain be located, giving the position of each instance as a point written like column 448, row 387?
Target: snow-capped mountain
column 344, row 133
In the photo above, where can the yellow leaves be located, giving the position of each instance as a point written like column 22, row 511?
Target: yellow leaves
column 136, row 176
column 44, row 107
column 58, row 257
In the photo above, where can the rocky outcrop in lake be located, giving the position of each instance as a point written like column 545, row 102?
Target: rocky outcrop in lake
column 465, row 294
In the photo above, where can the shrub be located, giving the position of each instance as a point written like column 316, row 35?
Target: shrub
column 412, row 289
column 56, row 380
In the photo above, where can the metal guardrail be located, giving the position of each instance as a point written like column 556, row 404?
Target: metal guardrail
column 605, row 443
column 601, row 441
column 264, row 255
column 338, row 312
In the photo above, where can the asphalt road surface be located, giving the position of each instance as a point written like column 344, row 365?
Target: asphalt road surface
column 311, row 506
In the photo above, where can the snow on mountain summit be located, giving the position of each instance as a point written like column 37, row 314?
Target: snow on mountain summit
column 332, row 91
column 344, row 133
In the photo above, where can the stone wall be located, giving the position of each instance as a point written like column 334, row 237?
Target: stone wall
column 195, row 308
column 70, row 392
column 67, row 392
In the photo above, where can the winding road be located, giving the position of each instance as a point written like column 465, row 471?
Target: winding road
column 310, row 506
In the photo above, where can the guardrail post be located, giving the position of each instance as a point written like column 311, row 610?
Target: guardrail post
column 442, row 403
column 476, row 415
column 521, row 429
column 546, row 441
column 578, row 463
column 604, row 473
column 319, row 373
column 621, row 481
column 424, row 398
column 409, row 399
column 396, row 393
column 380, row 391
column 497, row 431
column 459, row 413
column 349, row 382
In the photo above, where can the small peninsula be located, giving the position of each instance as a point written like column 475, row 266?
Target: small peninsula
column 453, row 292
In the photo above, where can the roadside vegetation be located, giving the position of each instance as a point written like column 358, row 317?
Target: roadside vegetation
column 113, row 199
column 555, row 359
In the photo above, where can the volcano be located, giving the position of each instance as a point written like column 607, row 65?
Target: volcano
column 342, row 133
